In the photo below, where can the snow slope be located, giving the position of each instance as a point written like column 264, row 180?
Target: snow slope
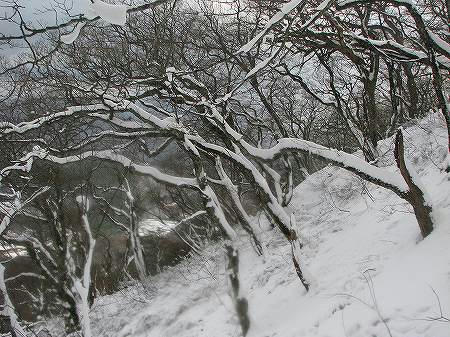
column 374, row 275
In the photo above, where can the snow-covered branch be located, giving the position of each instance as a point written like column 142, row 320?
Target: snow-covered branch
column 110, row 13
column 126, row 162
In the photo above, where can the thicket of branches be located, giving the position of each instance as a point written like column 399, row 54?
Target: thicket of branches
column 227, row 106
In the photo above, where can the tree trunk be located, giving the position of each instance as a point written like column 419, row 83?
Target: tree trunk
column 215, row 211
column 8, row 311
column 370, row 85
column 396, row 116
column 240, row 302
column 71, row 319
column 413, row 95
column 416, row 196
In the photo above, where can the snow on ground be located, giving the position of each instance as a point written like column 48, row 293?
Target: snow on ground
column 374, row 275
column 155, row 226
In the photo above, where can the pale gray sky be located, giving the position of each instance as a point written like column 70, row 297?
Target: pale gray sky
column 39, row 11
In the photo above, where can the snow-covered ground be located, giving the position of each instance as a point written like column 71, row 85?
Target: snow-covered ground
column 155, row 226
column 373, row 274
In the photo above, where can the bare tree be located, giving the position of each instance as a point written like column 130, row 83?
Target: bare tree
column 132, row 105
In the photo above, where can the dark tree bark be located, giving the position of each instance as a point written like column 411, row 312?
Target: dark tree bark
column 240, row 303
column 413, row 103
column 370, row 85
column 415, row 196
column 298, row 269
column 71, row 319
column 394, row 93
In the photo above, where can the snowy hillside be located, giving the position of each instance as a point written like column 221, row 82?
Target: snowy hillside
column 373, row 274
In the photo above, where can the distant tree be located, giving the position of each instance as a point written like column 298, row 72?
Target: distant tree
column 220, row 100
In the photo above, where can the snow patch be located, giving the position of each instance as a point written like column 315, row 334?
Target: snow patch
column 73, row 35
column 113, row 14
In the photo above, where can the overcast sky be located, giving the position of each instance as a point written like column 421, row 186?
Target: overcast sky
column 39, row 11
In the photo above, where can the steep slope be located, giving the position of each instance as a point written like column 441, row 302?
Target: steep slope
column 373, row 274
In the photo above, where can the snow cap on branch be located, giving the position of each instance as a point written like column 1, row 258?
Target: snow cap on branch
column 111, row 13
